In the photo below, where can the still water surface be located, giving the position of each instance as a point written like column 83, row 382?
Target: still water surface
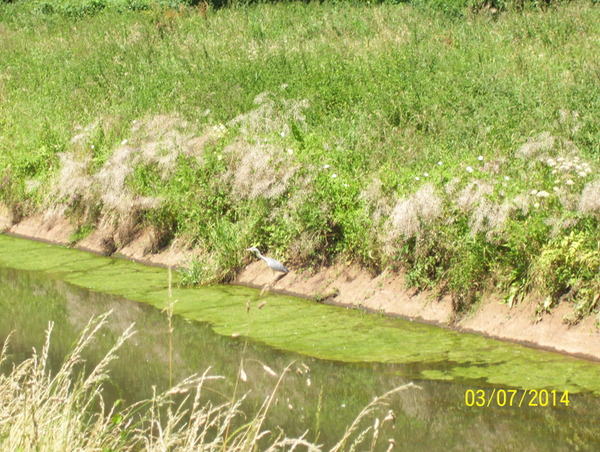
column 352, row 357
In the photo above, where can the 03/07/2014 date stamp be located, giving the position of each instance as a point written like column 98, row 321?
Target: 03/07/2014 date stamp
column 516, row 398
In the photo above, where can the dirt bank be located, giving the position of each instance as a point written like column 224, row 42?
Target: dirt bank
column 350, row 286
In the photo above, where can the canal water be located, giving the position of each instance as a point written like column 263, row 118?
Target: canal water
column 352, row 357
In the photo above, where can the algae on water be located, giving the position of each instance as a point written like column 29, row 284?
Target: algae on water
column 313, row 329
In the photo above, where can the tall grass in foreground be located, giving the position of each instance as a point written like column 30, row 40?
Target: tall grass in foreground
column 66, row 412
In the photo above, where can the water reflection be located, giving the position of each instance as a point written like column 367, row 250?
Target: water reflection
column 435, row 417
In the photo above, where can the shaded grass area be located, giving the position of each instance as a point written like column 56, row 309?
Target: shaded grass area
column 462, row 147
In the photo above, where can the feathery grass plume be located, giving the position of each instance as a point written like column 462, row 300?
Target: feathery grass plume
column 522, row 202
column 570, row 119
column 273, row 115
column 452, row 186
column 375, row 200
column 257, row 170
column 472, row 195
column 543, row 142
column 411, row 214
column 73, row 178
column 256, row 167
column 559, row 225
column 589, row 203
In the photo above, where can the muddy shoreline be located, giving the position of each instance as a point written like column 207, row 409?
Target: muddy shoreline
column 347, row 285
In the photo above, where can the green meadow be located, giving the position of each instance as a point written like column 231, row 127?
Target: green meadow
column 455, row 141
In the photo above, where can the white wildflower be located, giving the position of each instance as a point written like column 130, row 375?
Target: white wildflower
column 543, row 194
column 569, row 182
column 536, row 205
column 426, row 174
column 124, row 142
column 219, row 157
column 325, row 166
column 469, row 169
column 440, row 163
column 92, row 146
column 506, row 178
column 334, row 175
column 290, row 151
column 555, row 172
column 417, row 178
column 534, row 192
column 282, row 134
column 582, row 174
column 551, row 162
column 560, row 159
column 480, row 158
column 556, row 189
column 588, row 170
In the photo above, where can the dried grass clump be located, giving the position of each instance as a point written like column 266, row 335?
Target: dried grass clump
column 411, row 214
column 543, row 142
column 522, row 202
column 73, row 179
column 473, row 194
column 273, row 115
column 487, row 215
column 376, row 201
column 157, row 142
column 490, row 217
column 589, row 203
column 258, row 170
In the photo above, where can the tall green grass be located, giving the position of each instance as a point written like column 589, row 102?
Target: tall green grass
column 314, row 131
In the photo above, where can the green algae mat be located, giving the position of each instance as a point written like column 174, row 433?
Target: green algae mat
column 312, row 329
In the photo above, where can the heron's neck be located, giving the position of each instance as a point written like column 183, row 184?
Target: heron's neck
column 259, row 255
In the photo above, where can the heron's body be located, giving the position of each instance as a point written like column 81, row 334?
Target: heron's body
column 273, row 264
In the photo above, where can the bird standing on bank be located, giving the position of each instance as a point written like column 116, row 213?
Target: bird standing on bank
column 273, row 264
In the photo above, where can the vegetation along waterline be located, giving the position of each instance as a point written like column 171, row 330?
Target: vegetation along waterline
column 319, row 398
column 303, row 326
column 459, row 145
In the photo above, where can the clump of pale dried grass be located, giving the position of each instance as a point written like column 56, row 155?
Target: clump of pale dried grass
column 410, row 215
column 273, row 115
column 376, row 200
column 589, row 203
column 543, row 142
column 257, row 170
column 255, row 166
column 485, row 214
column 45, row 413
column 157, row 141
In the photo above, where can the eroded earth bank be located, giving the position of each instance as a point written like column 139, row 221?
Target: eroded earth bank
column 347, row 285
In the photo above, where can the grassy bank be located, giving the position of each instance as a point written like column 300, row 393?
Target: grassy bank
column 459, row 146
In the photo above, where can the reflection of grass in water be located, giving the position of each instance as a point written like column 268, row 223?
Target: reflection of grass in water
column 41, row 412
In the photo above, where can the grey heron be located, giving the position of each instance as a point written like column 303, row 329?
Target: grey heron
column 273, row 264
